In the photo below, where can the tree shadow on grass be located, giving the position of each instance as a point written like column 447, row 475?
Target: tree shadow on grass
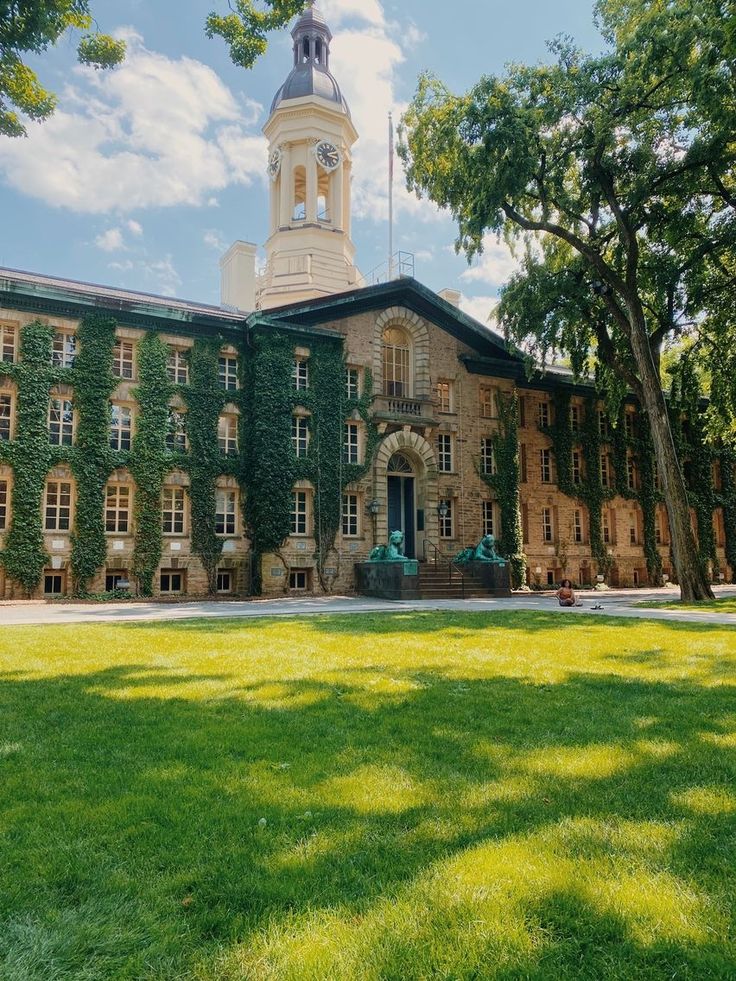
column 151, row 819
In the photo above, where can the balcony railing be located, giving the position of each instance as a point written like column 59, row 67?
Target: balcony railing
column 396, row 408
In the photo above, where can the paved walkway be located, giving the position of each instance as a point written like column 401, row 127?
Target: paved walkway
column 617, row 603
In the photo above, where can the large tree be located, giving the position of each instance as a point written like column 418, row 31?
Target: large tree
column 30, row 27
column 621, row 169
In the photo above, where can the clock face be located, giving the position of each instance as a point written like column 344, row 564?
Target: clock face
column 274, row 162
column 327, row 155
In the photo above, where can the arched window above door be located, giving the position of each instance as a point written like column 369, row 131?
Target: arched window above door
column 396, row 356
column 399, row 464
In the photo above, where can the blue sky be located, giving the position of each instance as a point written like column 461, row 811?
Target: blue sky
column 147, row 173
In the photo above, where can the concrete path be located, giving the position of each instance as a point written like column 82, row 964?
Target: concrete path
column 615, row 603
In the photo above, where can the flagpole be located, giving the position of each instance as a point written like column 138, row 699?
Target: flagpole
column 390, row 196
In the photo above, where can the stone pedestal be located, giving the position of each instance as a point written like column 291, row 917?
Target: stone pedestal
column 388, row 580
column 493, row 577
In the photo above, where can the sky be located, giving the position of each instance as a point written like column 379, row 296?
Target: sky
column 147, row 173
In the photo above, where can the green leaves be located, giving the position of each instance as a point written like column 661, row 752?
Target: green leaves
column 245, row 29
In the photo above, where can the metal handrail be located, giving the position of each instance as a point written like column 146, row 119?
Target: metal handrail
column 451, row 564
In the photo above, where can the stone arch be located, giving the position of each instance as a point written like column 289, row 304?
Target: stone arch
column 416, row 328
column 420, row 452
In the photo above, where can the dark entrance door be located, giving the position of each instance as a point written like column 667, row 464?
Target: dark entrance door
column 401, row 515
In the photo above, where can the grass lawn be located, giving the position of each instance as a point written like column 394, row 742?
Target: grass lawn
column 725, row 605
column 396, row 796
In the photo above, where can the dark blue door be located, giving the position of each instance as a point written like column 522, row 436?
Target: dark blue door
column 401, row 511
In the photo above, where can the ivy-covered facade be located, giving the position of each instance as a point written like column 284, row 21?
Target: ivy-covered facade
column 171, row 449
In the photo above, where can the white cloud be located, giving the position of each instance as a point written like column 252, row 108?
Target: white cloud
column 134, row 227
column 110, row 240
column 155, row 132
column 214, row 240
column 163, row 274
column 495, row 264
column 337, row 11
column 481, row 307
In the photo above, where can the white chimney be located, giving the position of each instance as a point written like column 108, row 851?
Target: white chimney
column 451, row 296
column 238, row 277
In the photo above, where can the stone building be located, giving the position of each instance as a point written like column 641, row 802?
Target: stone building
column 267, row 444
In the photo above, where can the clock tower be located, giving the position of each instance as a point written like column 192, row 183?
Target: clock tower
column 310, row 136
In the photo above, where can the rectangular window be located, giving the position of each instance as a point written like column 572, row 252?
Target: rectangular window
column 227, row 435
column 577, row 526
column 172, row 511
column 8, row 340
column 298, row 512
column 225, row 506
column 300, row 374
column 605, row 470
column 178, row 366
column 575, row 418
column 606, row 528
column 61, row 422
column 395, row 363
column 633, row 534
column 522, row 411
column 224, row 581
column 487, row 456
column 522, row 463
column 63, row 349
column 545, row 465
column 117, row 509
column 176, row 437
column 446, row 519
column 58, row 509
column 602, row 424
column 631, row 474
column 53, row 584
column 299, row 579
column 350, row 515
column 116, row 580
column 122, row 359
column 577, row 467
column 487, row 402
column 171, row 581
column 6, row 416
column 350, row 443
column 3, row 505
column 444, row 453
column 547, row 527
column 300, row 435
column 543, row 414
column 121, row 426
column 352, row 383
column 443, row 395
column 489, row 527
column 629, row 423
column 227, row 372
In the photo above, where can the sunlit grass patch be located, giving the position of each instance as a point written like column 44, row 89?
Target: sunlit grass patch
column 409, row 796
column 725, row 604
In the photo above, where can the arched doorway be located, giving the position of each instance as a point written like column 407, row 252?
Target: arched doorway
column 401, row 491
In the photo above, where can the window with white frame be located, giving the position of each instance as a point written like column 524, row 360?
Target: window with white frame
column 547, row 525
column 227, row 435
column 396, row 352
column 446, row 518
column 577, row 526
column 444, row 453
column 227, row 372
column 488, row 515
column 177, row 367
column 63, row 349
column 121, row 426
column 629, row 423
column 6, row 416
column 117, row 508
column 226, row 502
column 487, row 456
column 53, row 583
column 543, row 414
column 300, row 374
column 224, row 581
column 632, row 476
column 351, row 443
column 605, row 470
column 299, row 579
column 545, row 465
column 602, row 424
column 58, row 506
column 633, row 532
column 172, row 511
column 350, row 526
column 606, row 527
column 352, row 382
column 122, row 359
column 443, row 395
column 61, row 422
column 299, row 512
column 3, row 505
column 8, row 343
column 575, row 418
column 300, row 435
column 172, row 581
column 577, row 467
column 114, row 580
column 487, row 402
column 176, row 435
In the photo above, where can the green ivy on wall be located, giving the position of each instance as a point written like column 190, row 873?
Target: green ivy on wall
column 505, row 481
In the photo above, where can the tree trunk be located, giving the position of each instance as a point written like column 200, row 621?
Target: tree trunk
column 690, row 571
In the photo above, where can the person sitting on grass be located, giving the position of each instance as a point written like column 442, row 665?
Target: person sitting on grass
column 565, row 594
